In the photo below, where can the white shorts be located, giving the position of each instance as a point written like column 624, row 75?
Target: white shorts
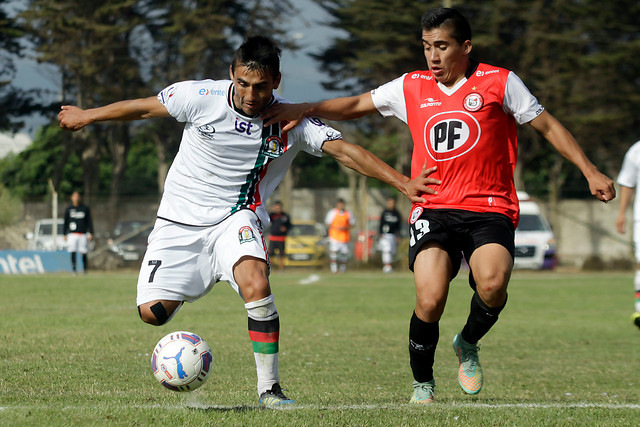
column 388, row 243
column 182, row 262
column 78, row 242
column 338, row 247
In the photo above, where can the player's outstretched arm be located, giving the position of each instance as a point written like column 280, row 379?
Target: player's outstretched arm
column 363, row 161
column 338, row 109
column 74, row 118
column 600, row 185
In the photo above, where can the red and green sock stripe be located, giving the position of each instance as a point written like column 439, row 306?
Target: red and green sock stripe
column 264, row 335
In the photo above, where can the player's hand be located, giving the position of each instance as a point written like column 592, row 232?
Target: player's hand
column 620, row 223
column 420, row 185
column 73, row 118
column 602, row 188
column 278, row 112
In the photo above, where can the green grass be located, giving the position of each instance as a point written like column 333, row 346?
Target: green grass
column 74, row 352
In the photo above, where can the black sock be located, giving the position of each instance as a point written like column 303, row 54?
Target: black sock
column 423, row 339
column 73, row 261
column 84, row 261
column 481, row 319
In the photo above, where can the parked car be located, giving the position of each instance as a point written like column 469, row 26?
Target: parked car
column 129, row 239
column 306, row 245
column 534, row 238
column 41, row 239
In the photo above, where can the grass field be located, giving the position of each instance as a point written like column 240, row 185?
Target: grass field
column 74, row 352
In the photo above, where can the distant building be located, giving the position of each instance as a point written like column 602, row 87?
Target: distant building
column 13, row 143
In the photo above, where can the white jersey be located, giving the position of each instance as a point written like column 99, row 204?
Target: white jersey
column 630, row 175
column 227, row 161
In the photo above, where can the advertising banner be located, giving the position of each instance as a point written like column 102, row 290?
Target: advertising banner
column 34, row 262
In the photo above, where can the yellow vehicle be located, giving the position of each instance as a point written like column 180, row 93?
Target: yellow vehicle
column 306, row 245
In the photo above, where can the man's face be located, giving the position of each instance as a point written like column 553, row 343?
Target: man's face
column 446, row 59
column 252, row 89
column 391, row 204
column 75, row 199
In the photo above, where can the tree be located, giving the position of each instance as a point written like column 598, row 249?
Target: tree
column 89, row 42
column 14, row 102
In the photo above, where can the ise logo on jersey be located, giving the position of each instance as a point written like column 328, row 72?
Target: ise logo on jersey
column 450, row 134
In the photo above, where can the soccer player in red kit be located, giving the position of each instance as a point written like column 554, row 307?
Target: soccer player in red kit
column 462, row 115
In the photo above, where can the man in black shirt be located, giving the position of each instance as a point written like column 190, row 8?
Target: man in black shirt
column 389, row 230
column 280, row 225
column 78, row 229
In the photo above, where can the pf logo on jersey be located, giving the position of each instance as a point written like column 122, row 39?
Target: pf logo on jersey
column 450, row 134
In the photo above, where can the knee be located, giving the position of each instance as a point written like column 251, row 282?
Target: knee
column 492, row 287
column 157, row 313
column 430, row 309
column 147, row 316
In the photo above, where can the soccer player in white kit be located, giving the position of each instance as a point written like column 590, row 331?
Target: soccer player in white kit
column 628, row 179
column 209, row 222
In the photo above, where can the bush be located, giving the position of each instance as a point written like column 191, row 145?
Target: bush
column 10, row 207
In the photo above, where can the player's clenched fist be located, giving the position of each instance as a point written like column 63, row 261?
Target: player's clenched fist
column 73, row 118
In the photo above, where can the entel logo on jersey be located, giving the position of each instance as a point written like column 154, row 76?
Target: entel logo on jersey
column 450, row 134
column 484, row 73
column 218, row 92
column 421, row 76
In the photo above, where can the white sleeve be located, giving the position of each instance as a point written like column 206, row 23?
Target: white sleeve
column 328, row 219
column 312, row 133
column 352, row 219
column 175, row 98
column 629, row 171
column 519, row 102
column 389, row 99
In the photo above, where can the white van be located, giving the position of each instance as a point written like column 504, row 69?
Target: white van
column 535, row 242
column 41, row 239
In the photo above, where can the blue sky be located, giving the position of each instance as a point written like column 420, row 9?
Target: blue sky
column 301, row 76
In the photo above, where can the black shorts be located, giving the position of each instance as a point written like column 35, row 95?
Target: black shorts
column 276, row 246
column 460, row 233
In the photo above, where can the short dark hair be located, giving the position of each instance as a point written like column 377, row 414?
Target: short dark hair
column 258, row 53
column 448, row 17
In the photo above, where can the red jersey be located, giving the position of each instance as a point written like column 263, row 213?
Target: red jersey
column 468, row 132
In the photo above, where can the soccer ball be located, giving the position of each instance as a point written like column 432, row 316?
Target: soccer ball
column 181, row 361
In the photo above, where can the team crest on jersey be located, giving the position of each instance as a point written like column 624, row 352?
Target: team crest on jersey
column 473, row 102
column 273, row 146
column 415, row 214
column 246, row 235
column 450, row 134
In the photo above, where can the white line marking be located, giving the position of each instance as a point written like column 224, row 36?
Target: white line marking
column 578, row 405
